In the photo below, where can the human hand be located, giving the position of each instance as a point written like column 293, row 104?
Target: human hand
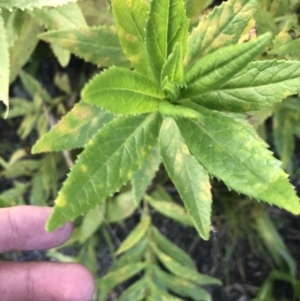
column 22, row 228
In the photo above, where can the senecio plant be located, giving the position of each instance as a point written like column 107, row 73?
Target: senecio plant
column 185, row 97
column 183, row 104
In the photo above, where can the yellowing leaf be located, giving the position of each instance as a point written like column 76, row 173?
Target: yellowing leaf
column 130, row 17
column 189, row 177
column 109, row 160
column 182, row 271
column 98, row 45
column 24, row 46
column 222, row 27
column 73, row 130
column 260, row 85
column 215, row 69
column 232, row 152
column 135, row 235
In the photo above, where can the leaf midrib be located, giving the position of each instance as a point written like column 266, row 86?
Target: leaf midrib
column 146, row 121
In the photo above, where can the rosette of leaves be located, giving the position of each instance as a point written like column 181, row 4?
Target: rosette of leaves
column 162, row 266
column 186, row 98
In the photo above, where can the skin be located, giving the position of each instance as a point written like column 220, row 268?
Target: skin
column 22, row 228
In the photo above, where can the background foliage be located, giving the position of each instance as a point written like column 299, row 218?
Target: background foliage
column 152, row 266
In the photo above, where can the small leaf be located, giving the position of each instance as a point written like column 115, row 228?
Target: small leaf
column 260, row 85
column 171, row 210
column 283, row 126
column 133, row 255
column 161, row 295
column 173, row 67
column 98, row 45
column 144, row 176
column 30, row 4
column 168, row 247
column 122, row 91
column 222, row 27
column 109, row 160
column 168, row 109
column 195, row 7
column 33, row 87
column 215, row 69
column 120, row 207
column 232, row 152
column 172, row 73
column 181, row 286
column 91, row 9
column 167, row 25
column 184, row 272
column 112, row 279
column 68, row 16
column 135, row 235
column 130, row 17
column 4, row 66
column 24, row 46
column 73, row 130
column 91, row 222
column 189, row 177
column 135, row 292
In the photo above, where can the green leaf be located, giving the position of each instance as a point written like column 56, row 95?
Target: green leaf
column 173, row 67
column 122, row 91
column 91, row 9
column 144, row 176
column 283, row 126
column 222, row 27
column 167, row 25
column 130, row 18
column 135, row 235
column 135, row 292
column 30, row 4
column 285, row 44
column 68, row 16
column 120, row 207
column 133, row 255
column 172, row 250
column 260, row 85
column 168, row 109
column 181, row 286
column 91, row 222
column 184, row 272
column 232, row 152
column 109, row 160
column 98, row 45
column 33, row 87
column 215, row 69
column 4, row 66
column 171, row 210
column 195, row 7
column 112, row 279
column 161, row 295
column 171, row 77
column 189, row 177
column 24, row 46
column 73, row 130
